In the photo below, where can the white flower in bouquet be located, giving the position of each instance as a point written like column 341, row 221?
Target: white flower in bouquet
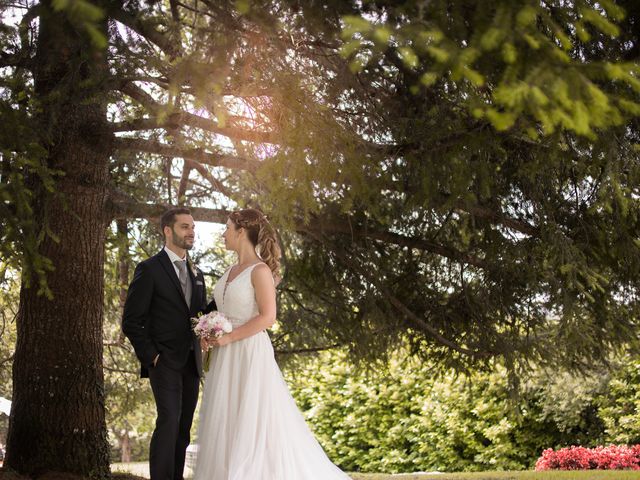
column 211, row 325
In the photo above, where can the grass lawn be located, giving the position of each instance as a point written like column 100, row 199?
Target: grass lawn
column 555, row 475
column 141, row 469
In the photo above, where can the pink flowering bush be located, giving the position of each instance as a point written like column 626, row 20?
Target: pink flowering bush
column 613, row 457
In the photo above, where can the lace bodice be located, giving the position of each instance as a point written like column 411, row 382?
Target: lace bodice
column 236, row 299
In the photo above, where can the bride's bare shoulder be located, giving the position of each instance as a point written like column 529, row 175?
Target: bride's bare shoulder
column 261, row 273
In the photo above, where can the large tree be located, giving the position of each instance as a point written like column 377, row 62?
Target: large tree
column 57, row 381
column 461, row 176
column 494, row 208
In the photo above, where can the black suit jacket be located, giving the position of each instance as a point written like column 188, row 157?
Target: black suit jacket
column 156, row 318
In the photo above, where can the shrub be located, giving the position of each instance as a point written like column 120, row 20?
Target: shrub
column 614, row 457
column 405, row 419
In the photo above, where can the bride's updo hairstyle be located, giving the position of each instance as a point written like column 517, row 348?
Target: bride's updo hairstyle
column 261, row 235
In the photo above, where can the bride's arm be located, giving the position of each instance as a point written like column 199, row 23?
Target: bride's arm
column 265, row 289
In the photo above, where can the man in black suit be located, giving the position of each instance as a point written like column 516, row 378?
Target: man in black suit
column 165, row 293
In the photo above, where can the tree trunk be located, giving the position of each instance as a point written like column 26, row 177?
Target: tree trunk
column 125, row 447
column 57, row 420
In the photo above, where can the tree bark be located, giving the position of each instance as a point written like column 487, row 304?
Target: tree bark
column 125, row 447
column 57, row 420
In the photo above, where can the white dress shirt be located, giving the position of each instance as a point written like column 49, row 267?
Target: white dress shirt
column 173, row 257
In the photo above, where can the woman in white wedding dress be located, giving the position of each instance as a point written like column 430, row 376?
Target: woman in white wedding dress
column 250, row 427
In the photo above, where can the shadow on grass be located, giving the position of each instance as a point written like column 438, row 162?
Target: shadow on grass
column 6, row 474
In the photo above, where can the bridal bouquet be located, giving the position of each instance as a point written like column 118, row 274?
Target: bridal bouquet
column 211, row 325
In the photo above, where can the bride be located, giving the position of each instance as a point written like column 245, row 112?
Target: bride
column 250, row 427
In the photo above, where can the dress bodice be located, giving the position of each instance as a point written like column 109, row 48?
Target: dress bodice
column 237, row 299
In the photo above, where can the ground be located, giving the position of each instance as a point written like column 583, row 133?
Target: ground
column 582, row 475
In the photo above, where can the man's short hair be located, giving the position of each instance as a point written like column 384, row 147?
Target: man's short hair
column 168, row 218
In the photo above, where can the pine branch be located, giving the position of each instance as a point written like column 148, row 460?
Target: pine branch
column 120, row 370
column 175, row 13
column 146, row 30
column 223, row 15
column 495, row 216
column 215, row 183
column 22, row 58
column 184, row 180
column 8, row 359
column 188, row 119
column 14, row 60
column 194, row 10
column 196, row 155
column 317, row 226
column 492, row 215
column 139, row 95
column 417, row 321
column 180, row 118
column 184, row 119
column 307, row 350
column 123, row 206
column 161, row 81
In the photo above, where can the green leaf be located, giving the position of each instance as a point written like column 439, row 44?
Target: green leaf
column 473, row 76
column 532, row 41
column 59, row 5
column 492, row 38
column 500, row 120
column 629, row 106
column 582, row 32
column 538, row 96
column 564, row 39
column 409, row 57
column 356, row 65
column 355, row 24
column 79, row 10
column 382, row 35
column 243, row 6
column 509, row 53
column 350, row 47
column 429, row 78
column 532, row 133
column 616, row 12
column 98, row 39
column 526, row 16
column 560, row 55
column 600, row 22
column 439, row 54
column 427, row 37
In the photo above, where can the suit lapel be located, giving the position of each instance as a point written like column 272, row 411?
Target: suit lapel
column 171, row 271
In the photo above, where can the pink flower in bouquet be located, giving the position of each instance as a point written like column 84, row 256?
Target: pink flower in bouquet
column 212, row 325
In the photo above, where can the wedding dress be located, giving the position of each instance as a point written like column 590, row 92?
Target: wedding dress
column 250, row 427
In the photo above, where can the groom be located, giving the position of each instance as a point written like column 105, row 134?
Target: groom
column 165, row 293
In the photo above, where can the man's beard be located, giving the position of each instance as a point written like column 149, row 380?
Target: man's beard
column 182, row 242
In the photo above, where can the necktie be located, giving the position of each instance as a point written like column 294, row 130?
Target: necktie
column 184, row 279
